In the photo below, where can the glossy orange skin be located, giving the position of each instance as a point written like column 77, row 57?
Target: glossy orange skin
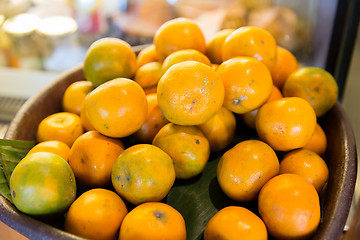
column 109, row 58
column 153, row 221
column 234, row 221
column 286, row 124
column 143, row 173
column 247, row 83
column 149, row 74
column 177, row 34
column 251, row 41
column 61, row 126
column 117, row 108
column 187, row 146
column 318, row 142
column 289, row 206
column 85, row 120
column 214, row 45
column 92, row 157
column 74, row 96
column 96, row 214
column 147, row 55
column 307, row 164
column 52, row 146
column 190, row 93
column 245, row 168
column 315, row 85
column 220, row 129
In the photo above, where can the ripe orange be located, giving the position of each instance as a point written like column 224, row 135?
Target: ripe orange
column 148, row 75
column 117, row 108
column 96, row 214
column 146, row 55
column 92, row 157
column 74, row 96
column 289, row 206
column 143, row 173
column 153, row 221
column 251, row 41
column 84, row 119
column 245, row 168
column 52, row 146
column 286, row 124
column 214, row 45
column 190, row 93
column 247, row 83
column 177, row 34
column 318, row 141
column 232, row 222
column 107, row 59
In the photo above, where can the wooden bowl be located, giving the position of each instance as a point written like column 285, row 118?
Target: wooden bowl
column 341, row 158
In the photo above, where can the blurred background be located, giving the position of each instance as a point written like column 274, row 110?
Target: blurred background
column 40, row 39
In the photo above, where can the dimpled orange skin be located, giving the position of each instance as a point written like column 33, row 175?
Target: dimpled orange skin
column 252, row 42
column 153, row 221
column 232, row 222
column 286, row 124
column 247, row 83
column 214, row 45
column 245, row 168
column 307, row 164
column 96, row 214
column 61, row 126
column 147, row 55
column 289, row 206
column 177, row 34
column 52, row 146
column 318, row 142
column 92, row 157
column 74, row 96
column 190, row 93
column 187, row 146
column 117, row 108
column 143, row 173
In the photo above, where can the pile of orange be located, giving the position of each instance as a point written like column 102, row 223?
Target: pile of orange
column 139, row 122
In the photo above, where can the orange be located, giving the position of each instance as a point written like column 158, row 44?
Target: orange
column 146, row 55
column 187, row 146
column 143, row 173
column 148, row 75
column 117, row 108
column 245, row 168
column 74, row 96
column 315, row 85
column 251, row 41
column 318, row 141
column 177, row 34
column 289, row 206
column 62, row 126
column 96, row 214
column 92, row 157
column 286, row 124
column 84, row 119
column 155, row 120
column 247, row 83
column 190, row 93
column 153, row 221
column 109, row 58
column 286, row 63
column 307, row 164
column 232, row 222
column 52, row 146
column 42, row 184
column 182, row 56
column 214, row 45
column 220, row 129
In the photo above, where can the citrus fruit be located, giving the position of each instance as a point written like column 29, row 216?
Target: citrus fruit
column 315, row 85
column 177, row 34
column 286, row 124
column 289, row 206
column 148, row 75
column 42, row 184
column 214, row 45
column 62, row 126
column 143, row 173
column 232, row 222
column 190, row 93
column 84, row 119
column 52, row 146
column 318, row 141
column 245, row 168
column 117, row 108
column 74, row 96
column 92, row 157
column 153, row 221
column 107, row 59
column 96, row 214
column 146, row 55
column 247, row 83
